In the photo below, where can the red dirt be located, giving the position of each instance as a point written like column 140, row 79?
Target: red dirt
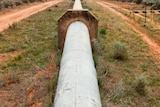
column 11, row 17
column 155, row 48
column 30, row 92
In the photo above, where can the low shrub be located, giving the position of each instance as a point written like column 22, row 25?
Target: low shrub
column 7, row 3
column 18, row 2
column 103, row 32
column 25, row 1
column 138, row 1
column 118, row 92
column 14, row 3
column 120, row 51
column 140, row 83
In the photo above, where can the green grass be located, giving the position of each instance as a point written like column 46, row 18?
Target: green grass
column 37, row 37
column 139, row 61
column 102, row 32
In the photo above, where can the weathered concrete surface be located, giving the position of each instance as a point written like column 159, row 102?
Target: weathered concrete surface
column 77, row 5
column 76, row 15
column 77, row 82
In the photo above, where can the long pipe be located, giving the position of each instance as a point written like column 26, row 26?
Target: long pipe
column 77, row 83
column 77, row 5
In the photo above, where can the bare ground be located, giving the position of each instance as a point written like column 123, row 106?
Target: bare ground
column 33, row 92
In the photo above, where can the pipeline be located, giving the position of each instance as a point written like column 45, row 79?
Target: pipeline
column 77, row 5
column 77, row 82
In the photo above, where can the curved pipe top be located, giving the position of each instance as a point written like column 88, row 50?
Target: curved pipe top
column 77, row 83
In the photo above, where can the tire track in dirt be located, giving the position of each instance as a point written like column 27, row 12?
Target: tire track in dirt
column 155, row 48
column 8, row 19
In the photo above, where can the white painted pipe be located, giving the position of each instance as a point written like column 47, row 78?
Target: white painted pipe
column 77, row 83
column 77, row 5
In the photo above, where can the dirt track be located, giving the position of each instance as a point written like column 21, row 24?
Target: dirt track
column 155, row 48
column 8, row 19
column 126, row 10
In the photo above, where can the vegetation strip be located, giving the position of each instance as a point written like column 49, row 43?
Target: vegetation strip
column 120, row 80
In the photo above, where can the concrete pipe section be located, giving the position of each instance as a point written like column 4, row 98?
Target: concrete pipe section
column 77, row 5
column 77, row 84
